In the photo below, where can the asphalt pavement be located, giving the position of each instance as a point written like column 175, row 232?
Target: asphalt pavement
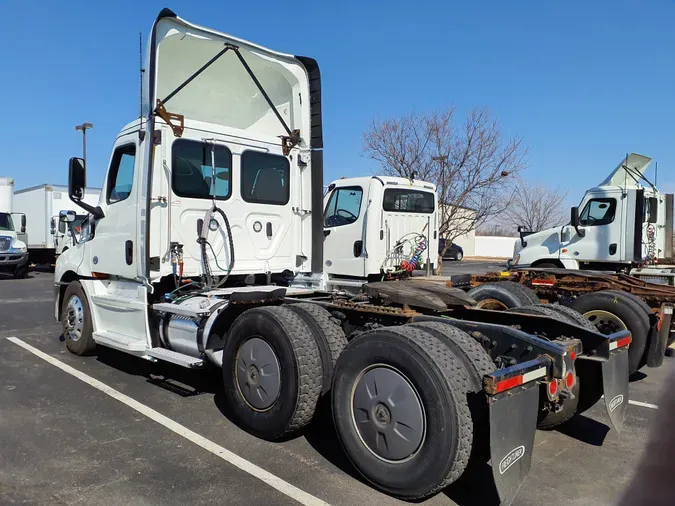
column 114, row 429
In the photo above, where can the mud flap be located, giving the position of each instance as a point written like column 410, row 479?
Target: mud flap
column 513, row 423
column 615, row 386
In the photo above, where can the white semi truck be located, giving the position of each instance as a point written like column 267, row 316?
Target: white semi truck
column 623, row 224
column 13, row 252
column 47, row 236
column 212, row 240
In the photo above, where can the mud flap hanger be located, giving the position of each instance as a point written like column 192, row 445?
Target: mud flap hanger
column 288, row 141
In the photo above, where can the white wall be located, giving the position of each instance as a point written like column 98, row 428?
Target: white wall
column 466, row 241
column 491, row 246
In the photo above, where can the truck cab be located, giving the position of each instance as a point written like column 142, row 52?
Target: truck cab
column 623, row 222
column 376, row 227
column 13, row 250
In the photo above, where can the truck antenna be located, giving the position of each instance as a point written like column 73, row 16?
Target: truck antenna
column 656, row 173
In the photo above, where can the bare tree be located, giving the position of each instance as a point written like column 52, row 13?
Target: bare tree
column 535, row 206
column 469, row 161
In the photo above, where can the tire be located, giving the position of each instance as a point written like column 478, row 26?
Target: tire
column 76, row 320
column 573, row 315
column 459, row 256
column 547, row 420
column 431, row 381
column 286, row 403
column 21, row 272
column 547, row 265
column 328, row 335
column 503, row 295
column 477, row 363
column 628, row 312
column 648, row 311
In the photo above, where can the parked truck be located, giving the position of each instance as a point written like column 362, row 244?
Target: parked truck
column 212, row 239
column 625, row 224
column 13, row 252
column 47, row 236
column 611, row 263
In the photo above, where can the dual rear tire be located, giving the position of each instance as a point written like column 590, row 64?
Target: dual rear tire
column 407, row 401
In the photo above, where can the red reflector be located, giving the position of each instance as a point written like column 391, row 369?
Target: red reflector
column 623, row 342
column 553, row 388
column 569, row 379
column 573, row 356
column 542, row 282
column 508, row 383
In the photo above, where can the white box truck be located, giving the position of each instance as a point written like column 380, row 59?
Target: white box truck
column 13, row 253
column 47, row 236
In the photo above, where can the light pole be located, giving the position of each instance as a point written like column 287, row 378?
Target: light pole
column 83, row 127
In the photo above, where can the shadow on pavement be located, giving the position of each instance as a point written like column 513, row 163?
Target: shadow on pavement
column 585, row 429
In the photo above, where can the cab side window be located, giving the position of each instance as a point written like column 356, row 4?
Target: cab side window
column 598, row 212
column 121, row 174
column 343, row 207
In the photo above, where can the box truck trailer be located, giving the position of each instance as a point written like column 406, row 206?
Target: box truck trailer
column 47, row 236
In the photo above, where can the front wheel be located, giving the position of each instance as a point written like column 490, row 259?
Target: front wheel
column 76, row 320
column 459, row 256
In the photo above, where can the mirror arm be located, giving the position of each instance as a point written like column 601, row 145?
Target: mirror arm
column 97, row 212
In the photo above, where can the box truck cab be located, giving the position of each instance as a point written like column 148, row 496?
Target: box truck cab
column 378, row 226
column 623, row 222
column 13, row 251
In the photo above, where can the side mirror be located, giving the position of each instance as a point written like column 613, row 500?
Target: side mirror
column 574, row 221
column 77, row 178
column 23, row 223
column 77, row 182
column 67, row 216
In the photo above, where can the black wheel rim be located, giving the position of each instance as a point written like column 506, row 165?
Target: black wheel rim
column 388, row 414
column 258, row 375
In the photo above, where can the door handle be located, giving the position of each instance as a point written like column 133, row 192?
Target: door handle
column 129, row 252
column 269, row 229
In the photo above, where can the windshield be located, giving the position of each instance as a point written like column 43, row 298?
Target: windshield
column 6, row 222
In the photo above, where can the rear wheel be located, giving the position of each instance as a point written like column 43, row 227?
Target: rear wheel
column 400, row 411
column 477, row 363
column 76, row 320
column 610, row 312
column 459, row 256
column 503, row 295
column 328, row 335
column 272, row 372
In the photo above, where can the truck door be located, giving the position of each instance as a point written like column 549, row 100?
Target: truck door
column 113, row 250
column 343, row 231
column 601, row 221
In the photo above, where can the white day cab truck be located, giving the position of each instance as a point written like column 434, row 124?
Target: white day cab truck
column 625, row 224
column 47, row 236
column 211, row 244
column 13, row 251
column 610, row 263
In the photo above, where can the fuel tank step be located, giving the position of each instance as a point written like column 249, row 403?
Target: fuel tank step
column 175, row 358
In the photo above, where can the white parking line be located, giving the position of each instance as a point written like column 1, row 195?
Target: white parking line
column 643, row 404
column 639, row 403
column 282, row 486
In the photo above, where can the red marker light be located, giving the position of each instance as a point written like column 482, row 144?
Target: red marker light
column 569, row 379
column 553, row 388
column 573, row 356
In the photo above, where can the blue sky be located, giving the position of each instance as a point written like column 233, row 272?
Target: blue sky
column 582, row 82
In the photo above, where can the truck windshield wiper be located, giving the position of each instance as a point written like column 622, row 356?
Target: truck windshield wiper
column 287, row 141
